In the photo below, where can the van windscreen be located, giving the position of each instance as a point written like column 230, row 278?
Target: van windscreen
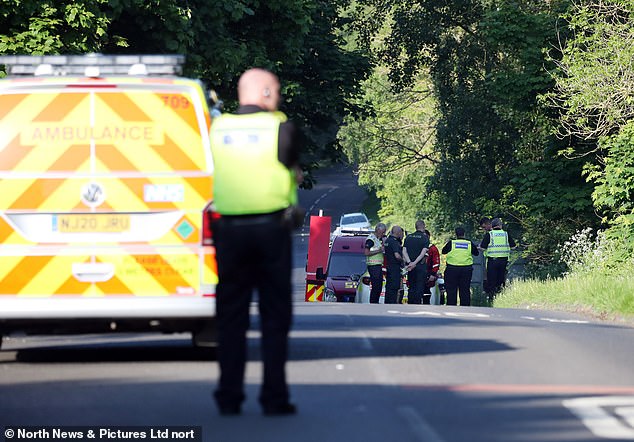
column 346, row 264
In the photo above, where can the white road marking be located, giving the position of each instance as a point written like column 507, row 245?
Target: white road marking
column 626, row 413
column 467, row 315
column 421, row 428
column 439, row 314
column 564, row 321
column 421, row 313
column 559, row 321
column 593, row 412
column 317, row 201
column 311, row 209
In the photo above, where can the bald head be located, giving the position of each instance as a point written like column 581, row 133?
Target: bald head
column 397, row 231
column 259, row 87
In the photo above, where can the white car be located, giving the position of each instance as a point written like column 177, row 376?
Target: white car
column 356, row 221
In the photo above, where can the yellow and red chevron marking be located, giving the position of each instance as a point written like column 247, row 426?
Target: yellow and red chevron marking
column 60, row 195
column 49, row 166
column 314, row 292
column 53, row 143
column 57, row 195
column 139, row 275
column 50, row 132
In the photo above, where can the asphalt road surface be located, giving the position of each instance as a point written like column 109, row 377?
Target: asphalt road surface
column 357, row 373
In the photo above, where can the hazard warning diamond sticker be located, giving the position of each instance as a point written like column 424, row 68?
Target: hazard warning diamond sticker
column 184, row 229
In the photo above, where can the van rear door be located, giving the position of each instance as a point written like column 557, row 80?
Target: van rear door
column 103, row 186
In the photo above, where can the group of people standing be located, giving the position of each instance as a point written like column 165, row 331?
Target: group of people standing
column 258, row 141
column 416, row 255
column 420, row 258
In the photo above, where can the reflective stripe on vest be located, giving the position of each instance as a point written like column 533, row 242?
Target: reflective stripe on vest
column 498, row 245
column 376, row 259
column 460, row 253
column 248, row 177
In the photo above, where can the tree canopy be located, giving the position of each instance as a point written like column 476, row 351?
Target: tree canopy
column 297, row 40
column 494, row 149
column 450, row 109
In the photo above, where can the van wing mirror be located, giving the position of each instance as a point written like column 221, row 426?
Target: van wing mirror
column 320, row 274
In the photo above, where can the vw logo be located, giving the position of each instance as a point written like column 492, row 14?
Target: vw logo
column 93, row 194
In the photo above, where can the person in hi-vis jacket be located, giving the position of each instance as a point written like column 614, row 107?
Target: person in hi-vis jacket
column 498, row 244
column 460, row 253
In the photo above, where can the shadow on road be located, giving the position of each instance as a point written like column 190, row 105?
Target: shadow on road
column 301, row 349
column 327, row 412
column 152, row 351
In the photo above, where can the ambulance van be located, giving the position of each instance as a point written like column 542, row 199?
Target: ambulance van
column 105, row 179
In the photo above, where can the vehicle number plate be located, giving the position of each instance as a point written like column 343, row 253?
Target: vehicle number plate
column 91, row 223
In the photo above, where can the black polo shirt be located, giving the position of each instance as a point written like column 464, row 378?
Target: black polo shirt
column 415, row 242
column 392, row 245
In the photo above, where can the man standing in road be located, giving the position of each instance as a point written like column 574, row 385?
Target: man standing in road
column 498, row 244
column 460, row 253
column 414, row 252
column 255, row 154
column 374, row 260
column 393, row 264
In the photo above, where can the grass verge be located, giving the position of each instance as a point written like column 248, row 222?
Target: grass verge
column 608, row 297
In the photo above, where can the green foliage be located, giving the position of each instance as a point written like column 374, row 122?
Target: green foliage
column 594, row 90
column 40, row 27
column 391, row 145
column 594, row 282
column 295, row 39
column 614, row 193
column 300, row 40
column 493, row 148
column 596, row 294
column 450, row 126
column 595, row 81
column 587, row 252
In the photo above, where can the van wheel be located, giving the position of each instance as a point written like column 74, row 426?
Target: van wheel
column 205, row 336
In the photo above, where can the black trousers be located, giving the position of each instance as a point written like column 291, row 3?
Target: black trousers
column 417, row 279
column 496, row 275
column 392, row 283
column 376, row 282
column 458, row 279
column 253, row 255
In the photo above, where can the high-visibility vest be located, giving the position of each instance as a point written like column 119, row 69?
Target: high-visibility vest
column 498, row 244
column 376, row 259
column 460, row 253
column 248, row 176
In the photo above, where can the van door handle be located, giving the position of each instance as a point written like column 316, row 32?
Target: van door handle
column 93, row 271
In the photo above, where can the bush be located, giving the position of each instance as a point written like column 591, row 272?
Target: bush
column 586, row 251
column 599, row 280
